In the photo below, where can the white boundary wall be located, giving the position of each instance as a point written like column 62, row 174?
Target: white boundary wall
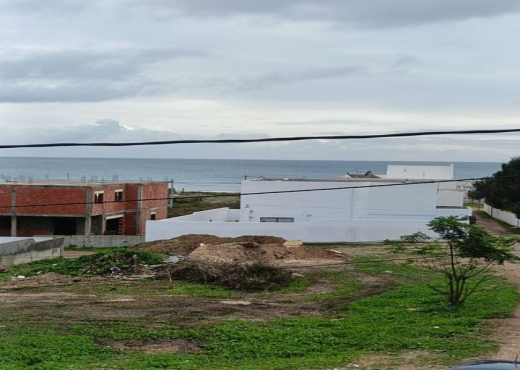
column 17, row 250
column 224, row 222
column 317, row 231
column 505, row 216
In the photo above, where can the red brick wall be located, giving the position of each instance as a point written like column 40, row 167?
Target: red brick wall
column 5, row 199
column 70, row 200
column 45, row 200
column 129, row 224
column 110, row 204
column 157, row 194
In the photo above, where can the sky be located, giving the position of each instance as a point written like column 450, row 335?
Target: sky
column 150, row 70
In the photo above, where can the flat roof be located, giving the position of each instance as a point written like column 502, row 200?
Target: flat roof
column 354, row 179
column 79, row 183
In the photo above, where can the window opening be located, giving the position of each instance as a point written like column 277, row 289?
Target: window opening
column 118, row 196
column 276, row 219
column 99, row 197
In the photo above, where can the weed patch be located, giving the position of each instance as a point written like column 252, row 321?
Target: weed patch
column 95, row 264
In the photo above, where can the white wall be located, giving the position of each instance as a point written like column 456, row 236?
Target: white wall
column 325, row 230
column 406, row 201
column 450, row 198
column 304, row 206
column 218, row 214
column 18, row 250
column 505, row 216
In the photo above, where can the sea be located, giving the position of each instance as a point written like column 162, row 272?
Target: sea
column 207, row 175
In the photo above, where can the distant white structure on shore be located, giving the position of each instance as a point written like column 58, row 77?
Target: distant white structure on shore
column 365, row 208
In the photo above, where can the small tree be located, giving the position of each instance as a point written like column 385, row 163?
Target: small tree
column 465, row 257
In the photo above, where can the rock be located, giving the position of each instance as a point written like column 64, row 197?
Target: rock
column 293, row 243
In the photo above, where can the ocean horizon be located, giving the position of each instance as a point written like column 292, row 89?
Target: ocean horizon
column 206, row 174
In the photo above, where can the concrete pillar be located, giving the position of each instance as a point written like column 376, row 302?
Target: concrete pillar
column 13, row 212
column 88, row 212
column 139, row 212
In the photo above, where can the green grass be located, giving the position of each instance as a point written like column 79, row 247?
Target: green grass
column 410, row 317
column 93, row 264
column 297, row 284
column 199, row 290
column 190, row 202
column 402, row 270
column 344, row 285
column 484, row 214
column 93, row 249
column 208, row 290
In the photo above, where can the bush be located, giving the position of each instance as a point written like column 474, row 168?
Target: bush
column 128, row 261
column 250, row 277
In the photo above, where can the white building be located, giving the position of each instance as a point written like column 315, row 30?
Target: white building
column 350, row 209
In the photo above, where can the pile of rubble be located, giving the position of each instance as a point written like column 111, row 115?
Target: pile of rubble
column 244, row 249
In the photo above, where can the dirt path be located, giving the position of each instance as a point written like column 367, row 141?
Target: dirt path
column 508, row 333
column 493, row 227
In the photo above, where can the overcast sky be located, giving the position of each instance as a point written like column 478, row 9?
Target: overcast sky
column 141, row 70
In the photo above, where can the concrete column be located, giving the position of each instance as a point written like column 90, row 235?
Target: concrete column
column 139, row 212
column 13, row 212
column 88, row 212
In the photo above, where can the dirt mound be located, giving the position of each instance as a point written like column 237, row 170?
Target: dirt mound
column 264, row 253
column 243, row 249
column 185, row 244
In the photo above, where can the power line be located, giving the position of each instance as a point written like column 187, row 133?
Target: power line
column 404, row 183
column 272, row 139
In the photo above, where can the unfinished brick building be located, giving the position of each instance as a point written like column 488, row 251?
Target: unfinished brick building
column 65, row 207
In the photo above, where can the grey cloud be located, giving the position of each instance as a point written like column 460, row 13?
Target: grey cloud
column 371, row 13
column 367, row 13
column 107, row 127
column 79, row 92
column 241, row 136
column 103, row 130
column 291, row 77
column 71, row 75
column 74, row 64
column 404, row 62
column 47, row 7
column 339, row 122
column 232, row 86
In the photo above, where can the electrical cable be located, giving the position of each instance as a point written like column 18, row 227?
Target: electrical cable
column 271, row 139
column 256, row 193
